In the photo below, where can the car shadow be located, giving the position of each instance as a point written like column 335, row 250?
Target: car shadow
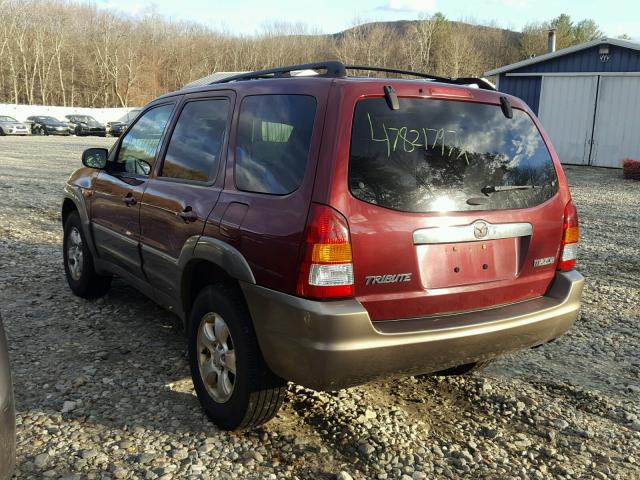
column 112, row 367
column 119, row 361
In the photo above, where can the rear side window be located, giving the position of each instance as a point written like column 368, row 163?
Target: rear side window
column 274, row 134
column 441, row 155
column 194, row 149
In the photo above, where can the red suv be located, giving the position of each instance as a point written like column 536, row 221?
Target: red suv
column 330, row 229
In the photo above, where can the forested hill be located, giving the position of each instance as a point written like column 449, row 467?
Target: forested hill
column 56, row 52
column 402, row 27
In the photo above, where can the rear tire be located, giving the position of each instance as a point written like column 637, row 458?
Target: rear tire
column 235, row 386
column 78, row 262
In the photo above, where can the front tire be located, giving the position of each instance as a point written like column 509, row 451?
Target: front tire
column 78, row 262
column 235, row 386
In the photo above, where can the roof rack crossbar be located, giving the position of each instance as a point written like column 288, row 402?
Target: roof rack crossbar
column 336, row 69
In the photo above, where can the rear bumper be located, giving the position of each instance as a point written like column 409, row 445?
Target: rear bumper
column 331, row 345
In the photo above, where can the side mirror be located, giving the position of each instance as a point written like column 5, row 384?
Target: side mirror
column 143, row 167
column 95, row 158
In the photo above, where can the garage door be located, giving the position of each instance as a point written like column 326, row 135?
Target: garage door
column 617, row 127
column 566, row 111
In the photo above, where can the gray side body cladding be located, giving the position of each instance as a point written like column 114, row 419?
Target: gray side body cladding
column 212, row 250
column 220, row 253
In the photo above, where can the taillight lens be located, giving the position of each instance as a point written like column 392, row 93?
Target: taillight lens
column 570, row 237
column 326, row 269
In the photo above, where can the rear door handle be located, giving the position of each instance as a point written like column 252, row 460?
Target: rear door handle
column 129, row 199
column 188, row 215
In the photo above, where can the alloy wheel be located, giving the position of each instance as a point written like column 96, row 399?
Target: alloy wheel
column 75, row 258
column 216, row 357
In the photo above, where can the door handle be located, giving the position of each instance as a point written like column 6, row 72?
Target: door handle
column 129, row 199
column 188, row 215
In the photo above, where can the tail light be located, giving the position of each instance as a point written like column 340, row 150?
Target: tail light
column 570, row 237
column 326, row 269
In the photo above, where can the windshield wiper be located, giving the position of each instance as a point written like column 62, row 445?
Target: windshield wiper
column 505, row 188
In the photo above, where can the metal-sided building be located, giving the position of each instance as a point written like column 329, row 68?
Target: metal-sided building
column 587, row 97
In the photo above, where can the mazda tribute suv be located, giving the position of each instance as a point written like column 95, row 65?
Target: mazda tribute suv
column 331, row 229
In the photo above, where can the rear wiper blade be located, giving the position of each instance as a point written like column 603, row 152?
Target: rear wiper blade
column 505, row 188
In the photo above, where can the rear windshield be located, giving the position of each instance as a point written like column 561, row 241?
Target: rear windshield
column 443, row 155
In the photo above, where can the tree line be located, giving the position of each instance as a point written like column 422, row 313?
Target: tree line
column 59, row 52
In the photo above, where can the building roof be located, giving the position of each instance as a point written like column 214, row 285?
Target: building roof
column 562, row 52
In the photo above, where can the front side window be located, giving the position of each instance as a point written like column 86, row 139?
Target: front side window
column 442, row 155
column 274, row 135
column 196, row 142
column 138, row 148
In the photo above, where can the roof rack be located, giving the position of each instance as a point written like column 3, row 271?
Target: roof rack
column 333, row 69
column 480, row 82
column 336, row 69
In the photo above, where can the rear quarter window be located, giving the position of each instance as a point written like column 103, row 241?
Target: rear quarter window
column 439, row 155
column 272, row 149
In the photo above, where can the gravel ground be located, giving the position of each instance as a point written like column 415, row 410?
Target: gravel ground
column 103, row 389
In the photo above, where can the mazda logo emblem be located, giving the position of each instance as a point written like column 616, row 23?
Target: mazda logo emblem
column 480, row 229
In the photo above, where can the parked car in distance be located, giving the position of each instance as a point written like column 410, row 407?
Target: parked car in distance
column 45, row 125
column 117, row 128
column 11, row 126
column 7, row 412
column 85, row 125
column 330, row 230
